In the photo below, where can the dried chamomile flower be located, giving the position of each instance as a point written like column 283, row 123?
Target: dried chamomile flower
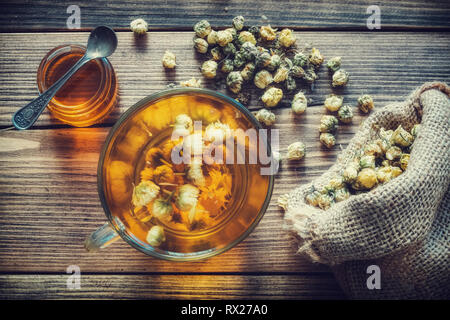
column 299, row 103
column 401, row 137
column 262, row 59
column 238, row 23
column 245, row 36
column 341, row 194
column 272, row 97
column 183, row 125
column 327, row 139
column 415, row 130
column 202, row 28
column 239, row 59
column 169, row 60
column 300, row 59
column 345, row 114
column 350, row 172
column 234, row 81
column 200, row 45
column 324, row 201
column 209, row 69
column 248, row 50
column 224, row 37
column 266, row 117
column 254, row 30
column 315, row 57
column 297, row 72
column 212, row 37
column 275, row 62
column 144, row 193
column 162, row 208
column 373, row 149
column 229, row 49
column 139, row 26
column 296, row 151
column 216, row 54
column 248, row 71
column 227, row 66
column 187, row 197
column 290, row 83
column 310, row 75
column 404, row 159
column 333, row 102
column 384, row 174
column 217, row 131
column 281, row 74
column 396, row 171
column 366, row 180
column 340, row 78
column 195, row 174
column 334, row 64
column 365, row 103
column 267, row 33
column 328, row 123
column 286, row 38
column 312, row 198
column 193, row 83
column 393, row 153
column 233, row 32
column 262, row 79
column 367, row 161
column 156, row 236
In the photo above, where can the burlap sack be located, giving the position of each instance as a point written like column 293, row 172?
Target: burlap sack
column 402, row 226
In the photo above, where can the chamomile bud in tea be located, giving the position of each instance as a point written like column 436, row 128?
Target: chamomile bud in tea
column 272, row 97
column 315, row 57
column 187, row 197
column 340, row 78
column 299, row 103
column 266, row 117
column 239, row 59
column 275, row 62
column 193, row 83
column 245, row 36
column 281, row 74
column 156, row 236
column 328, row 123
column 227, row 66
column 144, row 193
column 300, row 59
column 327, row 139
column 216, row 54
column 248, row 71
column 401, row 137
column 212, row 37
column 296, row 151
column 248, row 51
column 345, row 114
column 202, row 28
column 195, row 174
column 162, row 208
column 267, row 33
column 169, row 60
column 404, row 159
column 333, row 102
column 341, row 194
column 139, row 26
column 262, row 79
column 224, row 37
column 263, row 59
column 365, row 103
column 238, row 23
column 209, row 69
column 183, row 125
column 366, row 180
column 415, row 130
column 393, row 153
column 367, row 161
column 201, row 45
column 286, row 38
column 229, row 49
column 334, row 64
column 235, row 81
column 217, row 131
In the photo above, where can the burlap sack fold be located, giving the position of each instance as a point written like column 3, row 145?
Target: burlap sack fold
column 402, row 226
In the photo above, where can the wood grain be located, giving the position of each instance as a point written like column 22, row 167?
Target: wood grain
column 49, row 204
column 170, row 287
column 386, row 65
column 41, row 14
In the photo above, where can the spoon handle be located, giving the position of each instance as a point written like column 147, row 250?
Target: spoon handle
column 27, row 115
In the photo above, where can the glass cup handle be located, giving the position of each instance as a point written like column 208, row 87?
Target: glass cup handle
column 101, row 238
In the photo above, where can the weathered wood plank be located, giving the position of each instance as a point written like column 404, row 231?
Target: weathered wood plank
column 171, row 287
column 26, row 15
column 386, row 65
column 49, row 204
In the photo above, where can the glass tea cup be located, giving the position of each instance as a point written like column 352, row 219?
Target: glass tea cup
column 143, row 126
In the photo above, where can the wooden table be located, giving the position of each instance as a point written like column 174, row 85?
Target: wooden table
column 48, row 194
